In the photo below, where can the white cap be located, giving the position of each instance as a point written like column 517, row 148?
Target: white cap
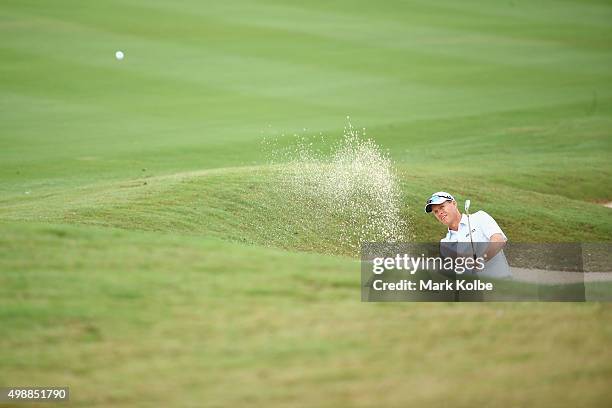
column 438, row 198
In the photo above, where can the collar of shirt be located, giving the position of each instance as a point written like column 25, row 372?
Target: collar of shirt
column 463, row 221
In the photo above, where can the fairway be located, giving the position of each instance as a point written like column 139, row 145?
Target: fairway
column 151, row 256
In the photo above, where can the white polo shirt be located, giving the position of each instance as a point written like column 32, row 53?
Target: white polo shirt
column 483, row 227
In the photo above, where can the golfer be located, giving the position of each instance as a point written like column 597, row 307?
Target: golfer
column 488, row 238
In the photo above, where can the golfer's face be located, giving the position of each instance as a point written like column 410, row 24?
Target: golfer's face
column 445, row 212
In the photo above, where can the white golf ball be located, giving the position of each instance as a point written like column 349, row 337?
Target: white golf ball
column 119, row 55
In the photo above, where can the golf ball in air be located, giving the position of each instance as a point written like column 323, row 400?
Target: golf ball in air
column 119, row 55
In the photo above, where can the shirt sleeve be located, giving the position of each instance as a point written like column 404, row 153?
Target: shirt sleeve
column 489, row 225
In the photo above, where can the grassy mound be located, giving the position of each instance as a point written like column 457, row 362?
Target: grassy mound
column 250, row 205
column 246, row 205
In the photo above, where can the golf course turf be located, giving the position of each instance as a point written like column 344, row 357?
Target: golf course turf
column 148, row 256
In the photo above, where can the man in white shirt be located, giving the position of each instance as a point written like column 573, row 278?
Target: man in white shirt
column 487, row 236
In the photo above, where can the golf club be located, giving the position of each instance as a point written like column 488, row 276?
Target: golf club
column 467, row 212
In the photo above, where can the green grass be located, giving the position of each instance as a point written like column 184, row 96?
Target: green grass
column 135, row 319
column 147, row 256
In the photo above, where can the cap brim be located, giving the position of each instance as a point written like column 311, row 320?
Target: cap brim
column 440, row 200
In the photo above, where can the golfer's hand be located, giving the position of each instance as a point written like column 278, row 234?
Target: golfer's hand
column 496, row 244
